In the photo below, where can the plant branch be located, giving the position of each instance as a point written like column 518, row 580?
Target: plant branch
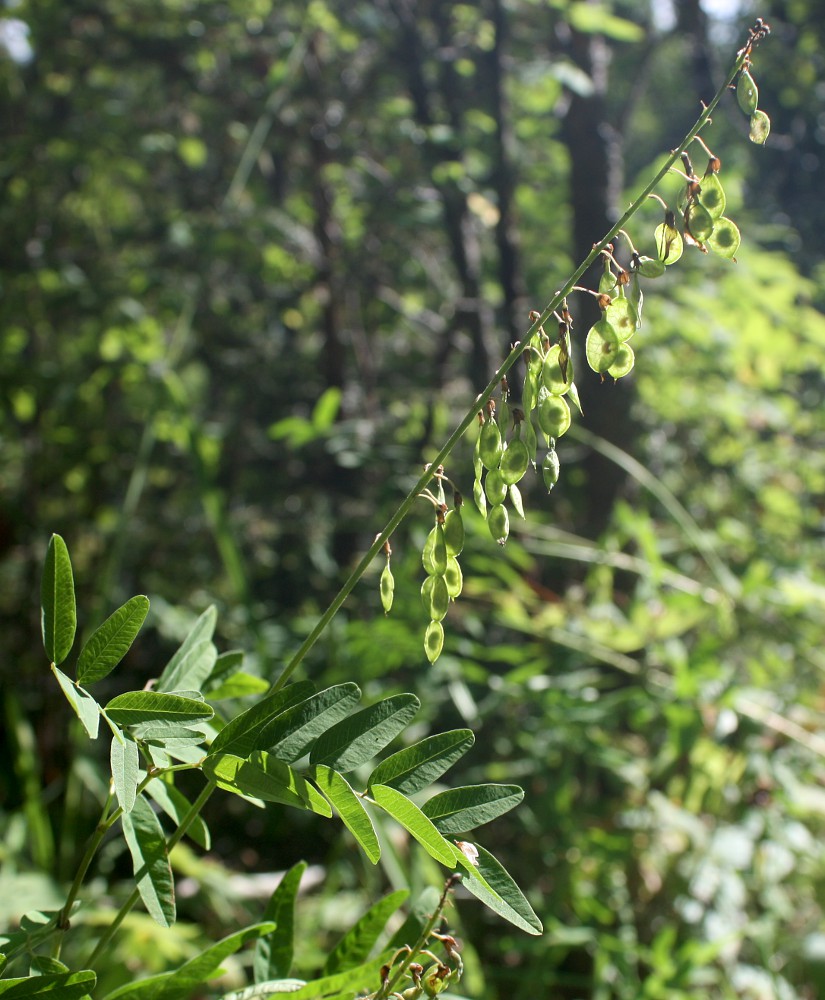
column 516, row 352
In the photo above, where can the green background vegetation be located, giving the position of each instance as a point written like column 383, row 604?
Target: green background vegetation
column 257, row 259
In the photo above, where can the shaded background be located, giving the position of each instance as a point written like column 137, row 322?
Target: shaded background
column 257, row 260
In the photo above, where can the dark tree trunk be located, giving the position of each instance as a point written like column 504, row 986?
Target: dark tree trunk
column 595, row 188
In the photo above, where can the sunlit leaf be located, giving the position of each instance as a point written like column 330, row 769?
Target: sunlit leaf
column 494, row 886
column 274, row 951
column 84, row 705
column 458, row 810
column 240, row 735
column 147, row 845
column 58, row 611
column 408, row 815
column 360, row 737
column 144, row 706
column 110, row 642
column 292, row 732
column 125, row 762
column 265, row 777
column 350, row 808
column 417, row 766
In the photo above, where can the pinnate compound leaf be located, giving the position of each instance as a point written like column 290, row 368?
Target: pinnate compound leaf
column 134, row 707
column 111, row 641
column 355, row 946
column 419, row 765
column 147, row 845
column 202, row 630
column 459, row 810
column 175, row 804
column 361, row 736
column 183, row 981
column 289, row 735
column 125, row 763
column 274, row 951
column 415, row 823
column 63, row 986
column 57, row 601
column 240, row 735
column 494, row 886
column 84, row 705
column 265, row 777
column 350, row 808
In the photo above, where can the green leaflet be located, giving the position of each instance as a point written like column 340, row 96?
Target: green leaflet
column 274, row 951
column 84, row 705
column 144, row 706
column 65, row 986
column 360, row 939
column 176, row 806
column 350, row 808
column 125, row 763
column 289, row 735
column 225, row 664
column 361, row 736
column 353, row 981
column 264, row 777
column 183, row 981
column 238, row 685
column 494, row 886
column 458, row 810
column 415, row 823
column 57, row 602
column 110, row 642
column 174, row 676
column 265, row 989
column 192, row 669
column 147, row 845
column 413, row 768
column 240, row 735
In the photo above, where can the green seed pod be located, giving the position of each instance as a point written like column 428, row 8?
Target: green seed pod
column 669, row 243
column 480, row 499
column 550, row 469
column 554, row 416
column 650, row 267
column 635, row 295
column 515, row 499
column 712, row 196
column 573, row 396
column 495, row 487
column 453, row 578
column 698, row 221
column 621, row 315
column 434, row 641
column 760, row 128
column 607, row 281
column 477, row 463
column 503, row 417
column 454, row 532
column 499, row 523
column 489, row 448
column 514, row 460
column 747, row 93
column 601, row 346
column 551, row 373
column 725, row 238
column 439, row 558
column 435, row 597
column 387, row 588
column 528, row 436
column 624, row 362
column 530, row 391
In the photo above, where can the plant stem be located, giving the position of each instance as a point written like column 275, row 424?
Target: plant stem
column 174, row 838
column 516, row 352
column 423, row 938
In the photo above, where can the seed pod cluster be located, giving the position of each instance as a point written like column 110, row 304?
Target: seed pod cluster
column 444, row 580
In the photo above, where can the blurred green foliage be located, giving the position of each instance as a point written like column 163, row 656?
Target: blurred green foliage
column 257, row 258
